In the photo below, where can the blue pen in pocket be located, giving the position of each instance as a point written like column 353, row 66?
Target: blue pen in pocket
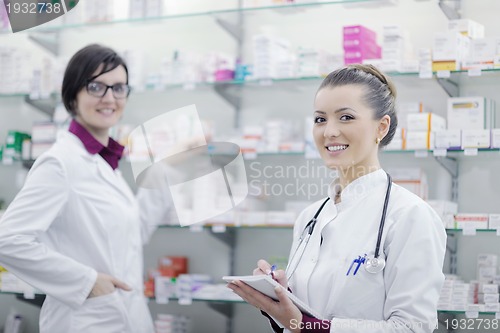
column 359, row 260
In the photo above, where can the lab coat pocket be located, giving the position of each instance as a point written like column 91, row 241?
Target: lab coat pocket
column 358, row 286
column 102, row 314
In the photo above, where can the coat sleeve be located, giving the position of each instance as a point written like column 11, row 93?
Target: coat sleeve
column 28, row 217
column 415, row 247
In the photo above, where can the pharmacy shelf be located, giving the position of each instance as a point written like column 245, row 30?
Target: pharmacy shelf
column 217, row 226
column 477, row 230
column 207, row 300
column 11, row 95
column 454, row 152
column 237, row 84
column 464, row 312
column 418, row 153
column 210, row 13
column 36, row 300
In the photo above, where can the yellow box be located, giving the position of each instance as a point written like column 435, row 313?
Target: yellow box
column 445, row 66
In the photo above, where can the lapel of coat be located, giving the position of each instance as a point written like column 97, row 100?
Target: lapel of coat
column 104, row 170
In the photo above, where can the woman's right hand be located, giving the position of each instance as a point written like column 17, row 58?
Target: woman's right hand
column 106, row 284
column 264, row 268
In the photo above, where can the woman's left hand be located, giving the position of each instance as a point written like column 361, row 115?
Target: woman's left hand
column 283, row 310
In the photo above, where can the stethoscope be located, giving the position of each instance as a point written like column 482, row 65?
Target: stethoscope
column 373, row 264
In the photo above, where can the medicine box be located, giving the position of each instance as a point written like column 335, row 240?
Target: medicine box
column 449, row 50
column 357, row 45
column 474, row 221
column 448, row 139
column 487, row 259
column 495, row 138
column 470, row 113
column 494, row 221
column 475, row 139
column 359, row 32
column 419, row 140
column 467, row 27
column 425, row 122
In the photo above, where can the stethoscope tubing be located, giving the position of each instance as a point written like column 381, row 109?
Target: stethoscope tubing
column 312, row 224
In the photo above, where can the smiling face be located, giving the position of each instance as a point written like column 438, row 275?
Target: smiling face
column 99, row 114
column 345, row 130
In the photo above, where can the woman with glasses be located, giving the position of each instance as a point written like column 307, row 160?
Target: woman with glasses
column 369, row 257
column 74, row 229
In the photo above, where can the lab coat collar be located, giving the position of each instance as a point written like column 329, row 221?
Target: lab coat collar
column 358, row 188
column 113, row 177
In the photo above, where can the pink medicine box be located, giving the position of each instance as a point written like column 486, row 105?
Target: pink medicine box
column 359, row 32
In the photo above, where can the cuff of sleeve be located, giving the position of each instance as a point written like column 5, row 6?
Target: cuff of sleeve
column 314, row 325
column 92, row 277
column 274, row 325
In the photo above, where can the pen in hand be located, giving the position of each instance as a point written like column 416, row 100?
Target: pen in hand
column 273, row 268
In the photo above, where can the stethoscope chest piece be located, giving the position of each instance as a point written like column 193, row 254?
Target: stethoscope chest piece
column 374, row 265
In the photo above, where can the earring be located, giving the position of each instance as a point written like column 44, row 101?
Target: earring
column 377, row 141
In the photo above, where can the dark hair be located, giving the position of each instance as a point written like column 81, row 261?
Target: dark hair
column 81, row 69
column 380, row 91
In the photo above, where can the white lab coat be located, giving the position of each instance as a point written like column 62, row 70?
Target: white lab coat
column 403, row 297
column 74, row 217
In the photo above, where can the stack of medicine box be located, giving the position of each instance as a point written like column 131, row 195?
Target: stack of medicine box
column 471, row 221
column 451, row 48
column 470, row 123
column 488, row 282
column 482, row 51
column 360, row 43
column 396, row 49
column 43, row 136
column 398, row 142
column 455, row 294
column 15, row 70
column 14, row 146
column 167, row 323
column 314, row 62
column 421, row 129
column 272, row 57
column 478, row 295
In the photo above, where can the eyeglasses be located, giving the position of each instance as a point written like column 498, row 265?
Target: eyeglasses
column 99, row 89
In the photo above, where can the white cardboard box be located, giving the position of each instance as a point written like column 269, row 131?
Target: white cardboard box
column 495, row 138
column 475, row 139
column 425, row 122
column 419, row 140
column 467, row 28
column 476, row 221
column 494, row 221
column 448, row 139
column 470, row 113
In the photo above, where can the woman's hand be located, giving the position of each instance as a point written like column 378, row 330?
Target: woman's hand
column 282, row 310
column 106, row 284
column 264, row 268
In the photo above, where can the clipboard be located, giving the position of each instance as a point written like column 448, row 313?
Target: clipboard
column 265, row 284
